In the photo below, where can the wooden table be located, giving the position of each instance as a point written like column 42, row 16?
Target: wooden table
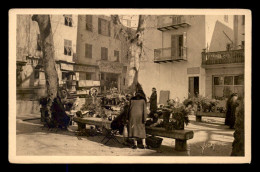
column 91, row 121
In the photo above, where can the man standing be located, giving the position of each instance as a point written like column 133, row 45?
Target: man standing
column 153, row 105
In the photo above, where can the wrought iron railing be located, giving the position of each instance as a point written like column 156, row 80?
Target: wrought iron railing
column 223, row 57
column 162, row 54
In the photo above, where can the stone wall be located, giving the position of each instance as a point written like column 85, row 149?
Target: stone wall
column 27, row 107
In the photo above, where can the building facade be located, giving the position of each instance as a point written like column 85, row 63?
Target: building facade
column 185, row 55
column 30, row 75
column 179, row 54
column 101, row 54
column 224, row 62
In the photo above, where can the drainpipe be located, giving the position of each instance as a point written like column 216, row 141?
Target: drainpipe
column 235, row 31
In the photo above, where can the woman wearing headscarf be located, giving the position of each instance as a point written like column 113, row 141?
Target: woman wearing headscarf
column 137, row 118
column 231, row 106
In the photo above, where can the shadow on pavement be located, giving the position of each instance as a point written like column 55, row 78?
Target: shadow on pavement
column 31, row 127
column 210, row 125
column 207, row 147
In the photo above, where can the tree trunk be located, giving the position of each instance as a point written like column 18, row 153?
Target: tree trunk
column 135, row 41
column 51, row 75
column 238, row 146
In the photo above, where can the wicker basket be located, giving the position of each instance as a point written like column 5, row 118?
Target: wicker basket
column 154, row 142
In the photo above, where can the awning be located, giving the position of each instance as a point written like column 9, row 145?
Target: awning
column 110, row 67
column 83, row 68
column 66, row 67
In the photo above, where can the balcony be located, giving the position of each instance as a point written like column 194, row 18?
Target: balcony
column 164, row 55
column 172, row 23
column 223, row 57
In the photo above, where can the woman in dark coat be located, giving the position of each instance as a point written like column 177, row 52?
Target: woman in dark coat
column 137, row 118
column 231, row 106
column 153, row 105
column 121, row 120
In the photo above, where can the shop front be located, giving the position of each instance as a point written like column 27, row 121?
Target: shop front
column 221, row 83
column 110, row 75
column 67, row 76
column 87, row 77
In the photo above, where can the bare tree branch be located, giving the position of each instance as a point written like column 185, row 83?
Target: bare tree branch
column 135, row 48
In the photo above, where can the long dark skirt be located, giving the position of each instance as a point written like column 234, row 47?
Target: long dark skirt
column 231, row 114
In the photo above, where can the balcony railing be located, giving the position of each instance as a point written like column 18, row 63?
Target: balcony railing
column 166, row 55
column 172, row 22
column 223, row 57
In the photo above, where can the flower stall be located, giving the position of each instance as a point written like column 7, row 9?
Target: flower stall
column 174, row 115
column 208, row 107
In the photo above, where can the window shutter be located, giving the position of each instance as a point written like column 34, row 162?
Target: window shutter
column 65, row 46
column 102, row 53
column 70, row 21
column 99, row 25
column 106, row 56
column 184, row 45
column 174, row 46
column 109, row 33
column 90, row 51
column 89, row 22
column 86, row 50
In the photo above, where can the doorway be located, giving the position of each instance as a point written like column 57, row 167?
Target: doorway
column 193, row 86
column 109, row 81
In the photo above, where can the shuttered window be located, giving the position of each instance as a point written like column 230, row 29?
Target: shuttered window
column 178, row 46
column 67, row 47
column 103, row 27
column 104, row 53
column 116, row 54
column 89, row 25
column 174, row 46
column 88, row 50
column 68, row 20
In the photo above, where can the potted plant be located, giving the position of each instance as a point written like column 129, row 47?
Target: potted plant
column 179, row 118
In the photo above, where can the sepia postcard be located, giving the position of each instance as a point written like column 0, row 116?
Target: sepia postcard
column 113, row 86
